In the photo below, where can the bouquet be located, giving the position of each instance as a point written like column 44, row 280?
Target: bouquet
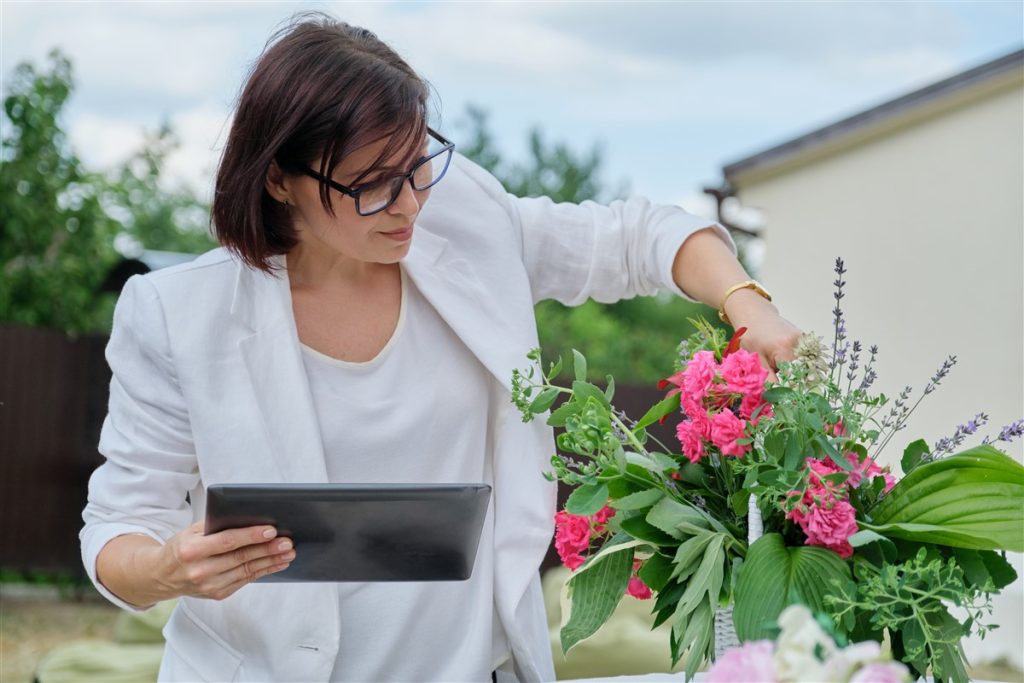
column 773, row 496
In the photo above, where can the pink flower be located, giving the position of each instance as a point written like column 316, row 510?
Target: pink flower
column 572, row 536
column 753, row 661
column 601, row 517
column 868, row 469
column 573, row 560
column 828, row 522
column 881, row 672
column 638, row 589
column 726, row 428
column 743, row 373
column 573, row 530
column 699, row 374
column 751, row 403
column 691, row 437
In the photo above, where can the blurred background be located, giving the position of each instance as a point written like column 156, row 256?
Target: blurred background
column 890, row 134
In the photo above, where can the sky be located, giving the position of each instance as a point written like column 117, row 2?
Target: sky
column 670, row 91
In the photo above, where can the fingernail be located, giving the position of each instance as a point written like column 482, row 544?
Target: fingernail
column 284, row 545
column 270, row 533
column 289, row 557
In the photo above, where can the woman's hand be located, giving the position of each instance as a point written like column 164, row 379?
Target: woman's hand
column 768, row 334
column 217, row 565
column 141, row 571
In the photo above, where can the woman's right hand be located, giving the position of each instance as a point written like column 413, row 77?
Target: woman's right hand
column 217, row 565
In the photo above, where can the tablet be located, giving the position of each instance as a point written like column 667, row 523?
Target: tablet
column 361, row 532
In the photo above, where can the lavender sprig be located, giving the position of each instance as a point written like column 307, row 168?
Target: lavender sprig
column 904, row 414
column 1009, row 432
column 947, row 444
column 837, row 317
column 851, row 374
column 869, row 370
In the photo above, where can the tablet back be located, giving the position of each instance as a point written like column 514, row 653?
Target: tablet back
column 361, row 532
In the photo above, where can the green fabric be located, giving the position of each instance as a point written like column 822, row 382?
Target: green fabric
column 138, row 628
column 624, row 646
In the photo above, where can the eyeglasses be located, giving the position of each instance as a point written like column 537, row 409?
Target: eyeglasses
column 376, row 196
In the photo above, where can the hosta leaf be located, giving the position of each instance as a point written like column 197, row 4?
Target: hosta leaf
column 974, row 500
column 593, row 596
column 774, row 576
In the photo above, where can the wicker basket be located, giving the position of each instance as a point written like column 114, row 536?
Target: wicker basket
column 725, row 630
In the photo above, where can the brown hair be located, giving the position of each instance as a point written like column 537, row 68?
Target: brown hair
column 320, row 90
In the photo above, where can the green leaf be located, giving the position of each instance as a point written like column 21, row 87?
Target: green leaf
column 697, row 637
column 777, row 395
column 669, row 513
column 639, row 528
column 544, row 400
column 1001, row 571
column 609, row 392
column 913, row 454
column 587, row 499
column 795, row 451
column 638, row 500
column 659, row 410
column 556, row 368
column 774, row 576
column 687, row 555
column 739, row 503
column 656, row 571
column 562, row 413
column 579, row 366
column 974, row 500
column 583, row 390
column 775, row 445
column 593, row 596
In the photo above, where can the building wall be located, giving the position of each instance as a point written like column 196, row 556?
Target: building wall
column 929, row 218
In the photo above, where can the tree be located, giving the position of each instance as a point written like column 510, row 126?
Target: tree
column 59, row 222
column 635, row 339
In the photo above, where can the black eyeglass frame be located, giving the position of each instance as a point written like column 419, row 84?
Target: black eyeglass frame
column 354, row 192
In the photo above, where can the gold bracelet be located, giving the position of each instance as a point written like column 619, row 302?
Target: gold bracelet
column 748, row 284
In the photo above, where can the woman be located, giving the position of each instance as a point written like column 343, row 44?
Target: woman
column 347, row 332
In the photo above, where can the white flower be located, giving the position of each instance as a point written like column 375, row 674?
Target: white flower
column 843, row 663
column 799, row 645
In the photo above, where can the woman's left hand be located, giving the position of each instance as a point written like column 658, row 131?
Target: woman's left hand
column 768, row 334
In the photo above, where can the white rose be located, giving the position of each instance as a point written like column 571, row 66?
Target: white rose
column 843, row 663
column 799, row 644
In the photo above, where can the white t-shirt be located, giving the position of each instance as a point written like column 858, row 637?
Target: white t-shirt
column 433, row 392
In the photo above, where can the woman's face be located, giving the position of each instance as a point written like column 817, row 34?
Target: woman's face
column 383, row 237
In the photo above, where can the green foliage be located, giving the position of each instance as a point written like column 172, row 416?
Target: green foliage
column 59, row 221
column 907, row 598
column 56, row 241
column 634, row 340
column 600, row 583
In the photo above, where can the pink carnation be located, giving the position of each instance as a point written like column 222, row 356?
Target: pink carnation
column 691, row 437
column 572, row 560
column 752, row 661
column 637, row 588
column 572, row 536
column 726, row 428
column 699, row 374
column 828, row 523
column 743, row 373
column 601, row 517
column 751, row 403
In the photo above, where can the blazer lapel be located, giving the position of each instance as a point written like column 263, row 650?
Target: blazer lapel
column 274, row 361
column 456, row 292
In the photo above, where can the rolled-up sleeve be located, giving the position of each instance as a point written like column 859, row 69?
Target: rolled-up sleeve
column 146, row 438
column 575, row 252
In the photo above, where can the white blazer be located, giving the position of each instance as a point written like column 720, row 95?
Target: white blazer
column 208, row 387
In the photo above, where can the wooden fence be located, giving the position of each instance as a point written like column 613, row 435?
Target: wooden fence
column 53, row 398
